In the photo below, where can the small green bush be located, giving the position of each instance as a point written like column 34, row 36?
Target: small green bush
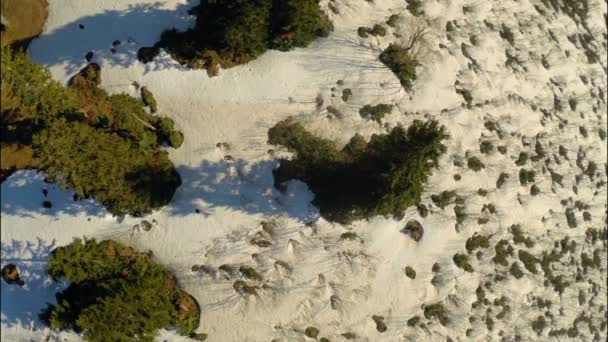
column 168, row 133
column 475, row 164
column 437, row 311
column 148, row 99
column 410, row 272
column 401, row 63
column 376, row 112
column 116, row 294
column 414, row 6
column 462, row 261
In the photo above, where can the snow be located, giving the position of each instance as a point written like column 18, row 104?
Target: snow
column 363, row 277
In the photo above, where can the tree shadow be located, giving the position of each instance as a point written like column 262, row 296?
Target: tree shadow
column 21, row 305
column 242, row 186
column 113, row 36
column 25, row 193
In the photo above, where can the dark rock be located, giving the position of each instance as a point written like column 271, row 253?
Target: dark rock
column 47, row 204
column 80, row 26
column 380, row 325
column 10, row 274
column 116, row 43
column 89, row 56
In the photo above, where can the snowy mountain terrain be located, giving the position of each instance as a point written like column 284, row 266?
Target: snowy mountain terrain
column 514, row 248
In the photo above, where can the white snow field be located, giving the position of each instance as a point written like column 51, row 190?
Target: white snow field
column 512, row 76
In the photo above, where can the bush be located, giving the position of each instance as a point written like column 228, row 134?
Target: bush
column 98, row 145
column 122, row 177
column 376, row 112
column 36, row 96
column 148, row 98
column 168, row 133
column 414, row 6
column 383, row 177
column 116, row 294
column 239, row 31
column 397, row 58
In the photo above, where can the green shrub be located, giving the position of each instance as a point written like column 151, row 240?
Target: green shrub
column 475, row 164
column 239, row 31
column 98, row 145
column 148, row 98
column 438, row 311
column 376, row 112
column 397, row 58
column 414, row 6
column 107, row 167
column 410, row 272
column 37, row 96
column 116, row 294
column 462, row 262
column 168, row 133
column 296, row 23
column 382, row 177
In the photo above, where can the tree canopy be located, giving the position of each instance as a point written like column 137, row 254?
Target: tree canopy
column 101, row 146
column 381, row 177
column 116, row 294
column 232, row 32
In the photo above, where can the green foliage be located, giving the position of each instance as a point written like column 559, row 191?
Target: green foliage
column 397, row 58
column 238, row 31
column 168, row 133
column 148, row 98
column 462, row 261
column 414, row 6
column 437, row 311
column 116, row 293
column 376, row 112
column 383, row 177
column 118, row 174
column 475, row 164
column 98, row 145
column 39, row 98
column 477, row 241
column 296, row 23
column 410, row 272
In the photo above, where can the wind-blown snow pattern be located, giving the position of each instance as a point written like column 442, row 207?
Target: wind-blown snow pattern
column 521, row 85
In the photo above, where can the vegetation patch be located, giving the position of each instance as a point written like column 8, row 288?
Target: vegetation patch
column 462, row 262
column 381, row 177
column 100, row 146
column 376, row 112
column 402, row 63
column 230, row 33
column 414, row 6
column 437, row 311
column 410, row 272
column 148, row 98
column 116, row 293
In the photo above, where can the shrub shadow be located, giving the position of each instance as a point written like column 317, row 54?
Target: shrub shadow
column 135, row 27
column 23, row 194
column 242, row 186
column 21, row 305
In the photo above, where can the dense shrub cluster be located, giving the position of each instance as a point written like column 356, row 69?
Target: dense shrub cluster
column 116, row 294
column 381, row 177
column 232, row 32
column 402, row 63
column 101, row 146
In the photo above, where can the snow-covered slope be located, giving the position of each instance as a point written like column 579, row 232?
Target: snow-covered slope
column 511, row 76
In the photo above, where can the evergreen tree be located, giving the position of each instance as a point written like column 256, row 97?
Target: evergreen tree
column 381, row 177
column 116, row 294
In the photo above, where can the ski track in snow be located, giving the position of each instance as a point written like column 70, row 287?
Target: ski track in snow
column 539, row 91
